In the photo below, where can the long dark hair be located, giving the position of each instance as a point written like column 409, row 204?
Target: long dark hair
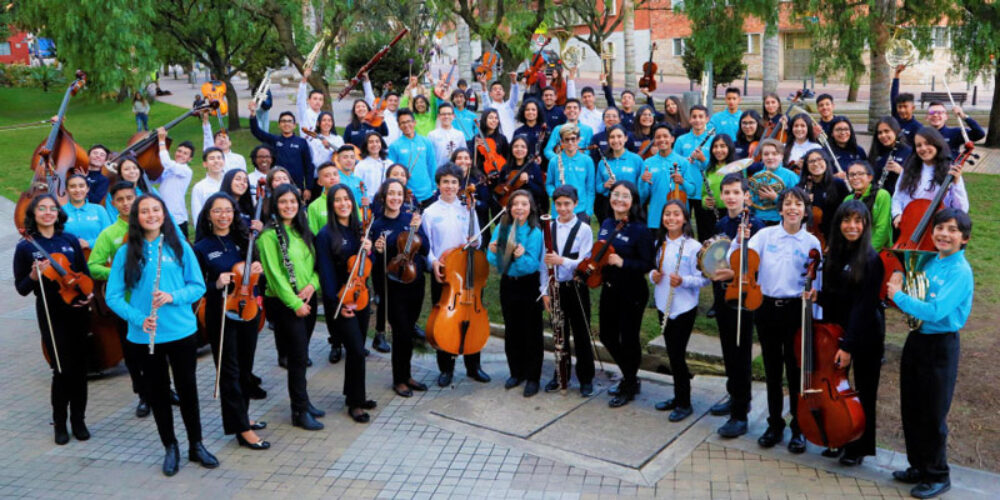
column 244, row 202
column 532, row 219
column 878, row 150
column 333, row 121
column 826, row 183
column 723, row 138
column 510, row 150
column 636, row 128
column 31, row 225
column 740, row 136
column 538, row 105
column 135, row 257
column 413, row 107
column 355, row 121
column 869, row 199
column 140, row 183
column 381, row 152
column 810, row 134
column 661, row 231
column 852, row 141
column 333, row 225
column 238, row 230
column 636, row 213
column 942, row 161
column 482, row 122
column 299, row 222
column 763, row 109
column 843, row 255
column 678, row 120
column 383, row 191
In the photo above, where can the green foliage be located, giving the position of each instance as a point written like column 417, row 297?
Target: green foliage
column 976, row 30
column 727, row 67
column 393, row 67
column 719, row 29
column 44, row 76
column 15, row 75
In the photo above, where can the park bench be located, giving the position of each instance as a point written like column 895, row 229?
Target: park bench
column 959, row 97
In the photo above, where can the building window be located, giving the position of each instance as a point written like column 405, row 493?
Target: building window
column 5, row 49
column 679, row 44
column 677, row 4
column 753, row 43
column 942, row 39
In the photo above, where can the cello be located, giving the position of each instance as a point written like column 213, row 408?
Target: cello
column 829, row 411
column 142, row 145
column 54, row 158
column 459, row 322
column 589, row 270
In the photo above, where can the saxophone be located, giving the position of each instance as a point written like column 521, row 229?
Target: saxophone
column 283, row 245
column 670, row 291
column 556, row 314
column 156, row 287
column 314, row 53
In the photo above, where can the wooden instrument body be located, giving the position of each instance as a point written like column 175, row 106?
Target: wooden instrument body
column 649, row 69
column 354, row 293
column 242, row 303
column 677, row 193
column 493, row 161
column 459, row 322
column 402, row 265
column 216, row 91
column 813, row 226
column 72, row 284
column 487, row 62
column 590, row 268
column 512, row 182
column 747, row 273
column 105, row 340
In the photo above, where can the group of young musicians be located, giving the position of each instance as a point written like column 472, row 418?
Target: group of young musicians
column 330, row 206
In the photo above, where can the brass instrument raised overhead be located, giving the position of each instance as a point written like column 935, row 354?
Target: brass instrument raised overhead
column 316, row 50
column 261, row 94
column 900, row 51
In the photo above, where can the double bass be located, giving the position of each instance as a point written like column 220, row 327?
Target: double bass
column 829, row 411
column 54, row 158
column 459, row 322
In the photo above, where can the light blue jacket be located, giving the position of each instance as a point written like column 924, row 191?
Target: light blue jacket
column 627, row 167
column 586, row 134
column 948, row 302
column 422, row 166
column 528, row 263
column 579, row 171
column 86, row 222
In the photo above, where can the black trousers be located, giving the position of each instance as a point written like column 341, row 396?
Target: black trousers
column 621, row 308
column 179, row 357
column 446, row 361
column 403, row 308
column 294, row 333
column 676, row 337
column 601, row 206
column 351, row 331
column 524, row 343
column 777, row 322
column 927, row 374
column 132, row 363
column 69, row 386
column 238, row 349
column 333, row 335
column 867, row 366
column 574, row 298
column 704, row 218
column 736, row 359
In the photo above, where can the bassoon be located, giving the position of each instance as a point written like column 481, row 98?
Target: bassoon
column 371, row 63
column 563, row 360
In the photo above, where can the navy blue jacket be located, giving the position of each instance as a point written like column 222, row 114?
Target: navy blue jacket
column 293, row 154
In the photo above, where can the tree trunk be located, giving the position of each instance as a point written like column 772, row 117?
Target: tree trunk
column 993, row 134
column 628, row 33
column 464, row 51
column 233, row 101
column 852, row 92
column 883, row 16
column 769, row 56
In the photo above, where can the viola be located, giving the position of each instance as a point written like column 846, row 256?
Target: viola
column 677, row 193
column 353, row 294
column 493, row 161
column 744, row 291
column 459, row 322
column 242, row 304
column 829, row 411
column 646, row 148
column 649, row 69
column 376, row 115
column 590, row 269
column 441, row 91
column 403, row 265
column 215, row 90
column 513, row 181
column 53, row 159
column 487, row 63
column 73, row 286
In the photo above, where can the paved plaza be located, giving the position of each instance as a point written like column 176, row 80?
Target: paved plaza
column 465, row 441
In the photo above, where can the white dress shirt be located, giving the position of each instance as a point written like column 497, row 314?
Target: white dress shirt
column 200, row 192
column 174, row 182
column 320, row 153
column 446, row 141
column 686, row 294
column 582, row 244
column 371, row 170
column 593, row 118
column 957, row 197
column 447, row 226
column 800, row 149
column 783, row 260
column 507, row 110
column 306, row 117
column 233, row 159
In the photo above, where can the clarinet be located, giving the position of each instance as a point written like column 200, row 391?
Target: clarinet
column 670, row 292
column 562, row 170
column 556, row 315
column 885, row 171
column 283, row 245
column 156, row 287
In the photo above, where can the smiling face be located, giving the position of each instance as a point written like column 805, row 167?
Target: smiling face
column 326, row 124
column 698, row 119
column 549, row 98
column 373, row 145
column 886, row 136
column 445, row 116
column 288, row 207
column 448, row 187
column 327, row 177
column 621, row 201
column 215, row 162
column 720, row 151
column 628, row 100
column 646, row 118
column 925, row 150
column 279, row 179
column 492, row 121
column 770, row 156
column 150, row 216
column 616, row 139
column 816, row 165
column 264, row 160
column 342, row 205
column 948, row 238
column 464, row 160
column 392, row 103
column 611, row 117
column 588, row 99
column 520, row 208
column 670, row 106
column 565, row 207
column 420, row 106
column 394, row 197
column 130, row 171
column 859, row 178
column 852, row 227
column 240, row 183
column 937, row 116
column 841, row 133
column 519, row 149
column 771, row 105
column 673, row 219
column 800, row 130
column 97, row 158
column 748, row 125
column 221, row 215
column 496, row 92
column 663, row 140
column 530, row 112
column 572, row 110
column 286, row 124
column 46, row 213
column 792, row 211
column 825, row 108
column 407, row 125
column 77, row 189
column 360, row 110
column 222, row 141
column 398, row 172
column 734, row 196
column 905, row 110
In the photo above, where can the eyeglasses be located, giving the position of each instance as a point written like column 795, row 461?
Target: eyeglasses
column 621, row 196
column 934, row 113
column 570, row 139
column 855, row 175
column 286, row 120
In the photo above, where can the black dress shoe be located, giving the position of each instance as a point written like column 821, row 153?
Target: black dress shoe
column 358, row 415
column 198, row 453
column 368, row 405
column 930, row 490
column 850, row 460
column 680, row 413
column 283, row 362
column 419, row 333
column 379, row 343
column 552, row 386
column 587, row 390
column 669, row 404
column 530, row 388
column 480, row 376
column 512, row 382
column 309, row 362
column 772, row 436
column 831, row 452
column 711, row 314
column 171, row 460
column 62, row 435
column 174, row 398
column 405, row 393
column 909, row 476
column 417, row 386
column 336, row 354
column 616, row 389
column 444, row 379
column 733, row 428
column 142, row 409
column 797, row 444
column 256, row 392
column 259, row 445
column 621, row 399
column 316, row 412
column 80, row 431
column 258, row 425
column 721, row 408
column 305, row 420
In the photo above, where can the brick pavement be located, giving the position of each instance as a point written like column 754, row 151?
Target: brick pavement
column 400, row 454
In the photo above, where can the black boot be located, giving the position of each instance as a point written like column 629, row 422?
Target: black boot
column 80, row 431
column 198, row 453
column 62, row 436
column 379, row 343
column 306, row 421
column 171, row 460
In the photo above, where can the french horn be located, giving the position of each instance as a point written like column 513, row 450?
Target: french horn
column 765, row 178
column 900, row 51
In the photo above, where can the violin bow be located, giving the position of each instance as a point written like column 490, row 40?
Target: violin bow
column 961, row 126
column 739, row 295
column 222, row 343
column 48, row 317
column 354, row 269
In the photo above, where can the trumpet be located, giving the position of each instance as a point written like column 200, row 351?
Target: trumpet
column 265, row 85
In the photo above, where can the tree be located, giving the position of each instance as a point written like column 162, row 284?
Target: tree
column 719, row 29
column 975, row 27
column 628, row 36
column 599, row 22
column 221, row 38
column 393, row 67
column 727, row 68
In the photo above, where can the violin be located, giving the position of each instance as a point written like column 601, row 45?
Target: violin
column 314, row 135
column 353, row 294
column 590, row 269
column 487, row 62
column 242, row 304
column 513, row 182
column 408, row 244
column 493, row 161
column 73, row 286
column 441, row 91
column 215, row 90
column 366, row 211
column 459, row 322
column 376, row 114
column 677, row 193
column 744, row 290
column 649, row 69
column 829, row 411
column 53, row 159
